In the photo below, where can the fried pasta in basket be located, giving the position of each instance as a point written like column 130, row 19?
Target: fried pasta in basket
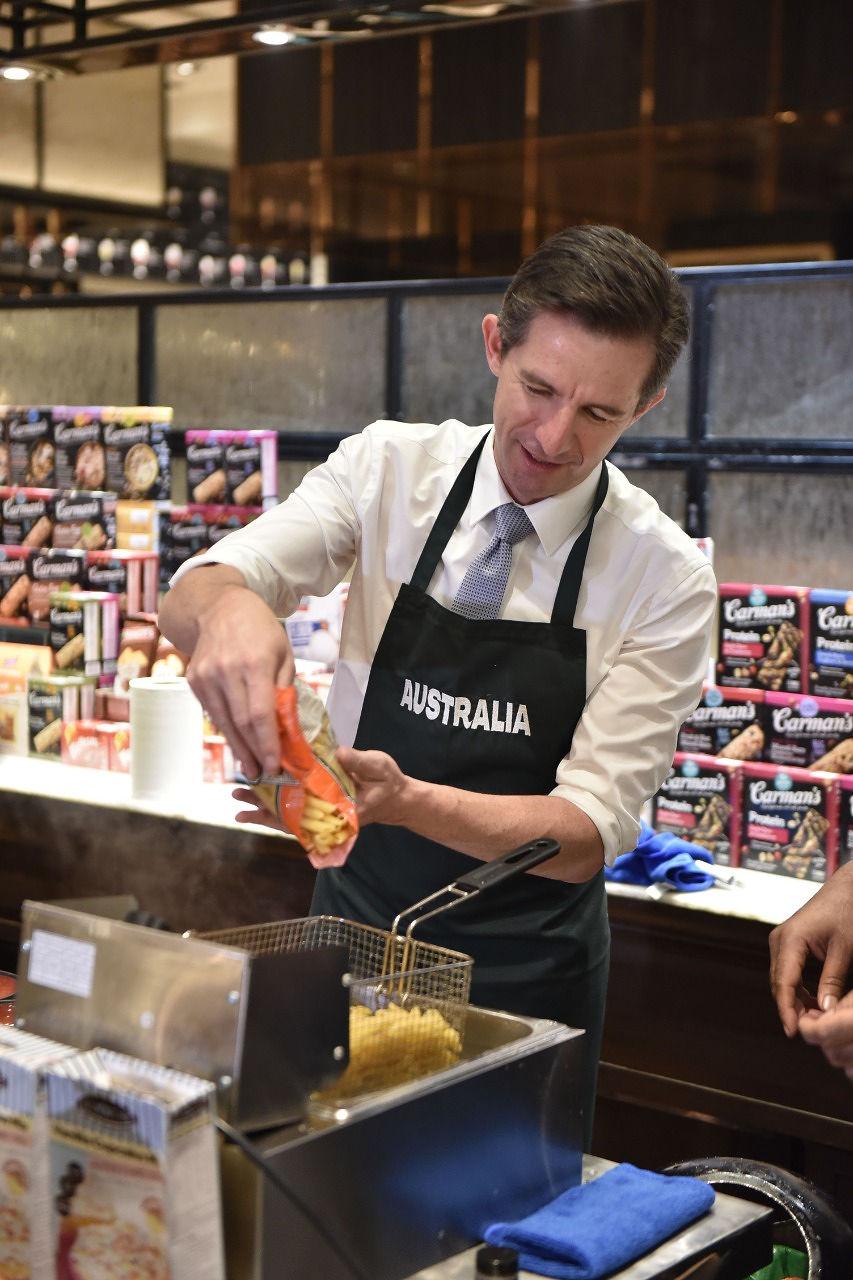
column 391, row 1046
column 312, row 797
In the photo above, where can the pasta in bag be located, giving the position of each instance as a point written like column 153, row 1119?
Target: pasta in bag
column 313, row 797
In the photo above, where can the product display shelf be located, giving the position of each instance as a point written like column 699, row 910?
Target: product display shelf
column 209, row 803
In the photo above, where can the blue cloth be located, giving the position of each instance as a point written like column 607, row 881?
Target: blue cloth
column 598, row 1228
column 661, row 857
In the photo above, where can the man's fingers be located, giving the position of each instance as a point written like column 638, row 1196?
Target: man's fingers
column 216, row 707
column 256, row 814
column 833, row 978
column 374, row 766
column 260, row 727
column 785, row 974
column 832, row 1032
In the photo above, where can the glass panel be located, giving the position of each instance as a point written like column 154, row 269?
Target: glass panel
column 669, row 418
column 18, row 155
column 445, row 374
column 780, row 360
column 668, row 488
column 68, row 356
column 292, row 366
column 781, row 528
column 291, row 474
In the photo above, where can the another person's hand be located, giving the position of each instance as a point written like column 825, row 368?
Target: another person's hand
column 242, row 652
column 823, row 928
column 832, row 1032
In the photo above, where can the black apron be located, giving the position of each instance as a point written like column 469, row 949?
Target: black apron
column 487, row 706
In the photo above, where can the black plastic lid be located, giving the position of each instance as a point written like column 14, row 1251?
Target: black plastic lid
column 495, row 1260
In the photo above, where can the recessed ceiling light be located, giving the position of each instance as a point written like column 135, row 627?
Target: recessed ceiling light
column 186, row 68
column 274, row 34
column 16, row 73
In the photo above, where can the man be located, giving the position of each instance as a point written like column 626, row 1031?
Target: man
column 823, row 928
column 524, row 632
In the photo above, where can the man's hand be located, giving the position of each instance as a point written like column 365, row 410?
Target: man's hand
column 823, row 928
column 257, row 815
column 239, row 652
column 833, row 1033
column 382, row 788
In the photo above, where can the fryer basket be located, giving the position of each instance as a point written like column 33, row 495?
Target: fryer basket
column 407, row 998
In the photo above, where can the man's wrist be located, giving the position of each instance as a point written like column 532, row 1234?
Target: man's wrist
column 217, row 597
column 416, row 803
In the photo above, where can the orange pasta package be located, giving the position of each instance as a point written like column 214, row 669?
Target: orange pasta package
column 313, row 797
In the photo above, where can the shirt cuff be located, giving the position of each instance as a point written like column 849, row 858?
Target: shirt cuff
column 615, row 837
column 259, row 576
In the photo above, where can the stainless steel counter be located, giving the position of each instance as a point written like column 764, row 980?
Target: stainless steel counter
column 731, row 1224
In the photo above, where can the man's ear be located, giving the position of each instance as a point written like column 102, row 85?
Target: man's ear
column 492, row 340
column 650, row 404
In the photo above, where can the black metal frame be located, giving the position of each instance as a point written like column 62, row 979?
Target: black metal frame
column 696, row 454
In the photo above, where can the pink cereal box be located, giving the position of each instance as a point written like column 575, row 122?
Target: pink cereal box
column 809, row 733
column 700, row 802
column 763, row 637
column 789, row 821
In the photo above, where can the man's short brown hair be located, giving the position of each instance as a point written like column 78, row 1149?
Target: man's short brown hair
column 613, row 283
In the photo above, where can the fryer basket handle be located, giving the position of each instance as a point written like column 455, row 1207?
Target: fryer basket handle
column 509, row 865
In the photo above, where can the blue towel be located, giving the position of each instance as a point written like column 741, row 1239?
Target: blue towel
column 661, row 857
column 604, row 1225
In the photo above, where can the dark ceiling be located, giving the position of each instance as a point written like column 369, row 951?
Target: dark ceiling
column 84, row 35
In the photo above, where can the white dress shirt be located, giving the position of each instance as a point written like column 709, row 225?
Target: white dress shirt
column 646, row 602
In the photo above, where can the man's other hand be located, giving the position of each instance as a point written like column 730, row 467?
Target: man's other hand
column 381, row 786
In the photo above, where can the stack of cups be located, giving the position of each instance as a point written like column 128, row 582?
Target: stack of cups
column 166, row 733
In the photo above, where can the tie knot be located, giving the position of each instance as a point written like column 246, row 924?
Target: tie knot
column 512, row 523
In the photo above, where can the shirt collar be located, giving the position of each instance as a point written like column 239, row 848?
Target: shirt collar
column 554, row 519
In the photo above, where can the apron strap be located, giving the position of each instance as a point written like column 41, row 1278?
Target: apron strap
column 446, row 521
column 566, row 600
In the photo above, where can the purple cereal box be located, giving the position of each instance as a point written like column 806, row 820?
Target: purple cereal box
column 831, row 644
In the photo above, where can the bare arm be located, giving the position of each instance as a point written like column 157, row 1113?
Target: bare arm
column 483, row 826
column 238, row 652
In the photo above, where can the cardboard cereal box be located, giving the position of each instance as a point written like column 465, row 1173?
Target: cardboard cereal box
column 134, row 1170
column 806, row 732
column 789, row 821
column 831, row 643
column 763, row 637
column 700, row 802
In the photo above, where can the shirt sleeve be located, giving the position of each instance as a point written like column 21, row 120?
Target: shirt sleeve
column 307, row 544
column 625, row 740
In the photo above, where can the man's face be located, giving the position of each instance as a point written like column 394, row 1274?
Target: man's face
column 564, row 397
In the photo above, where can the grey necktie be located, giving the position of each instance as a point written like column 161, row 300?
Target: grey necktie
column 482, row 591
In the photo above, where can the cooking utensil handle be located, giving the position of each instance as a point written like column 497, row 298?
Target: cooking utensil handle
column 509, row 865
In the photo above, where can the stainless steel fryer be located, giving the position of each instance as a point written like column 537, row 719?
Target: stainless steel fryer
column 408, row 998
